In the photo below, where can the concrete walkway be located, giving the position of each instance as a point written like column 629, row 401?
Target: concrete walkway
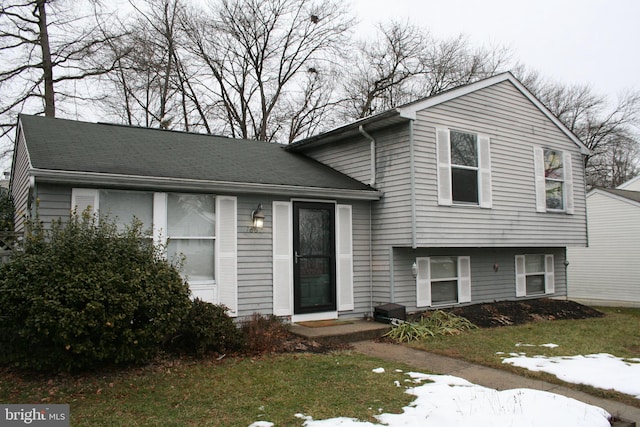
column 488, row 377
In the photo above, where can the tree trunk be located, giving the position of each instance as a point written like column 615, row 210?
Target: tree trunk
column 47, row 66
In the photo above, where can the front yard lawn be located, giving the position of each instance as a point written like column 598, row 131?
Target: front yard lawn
column 617, row 333
column 231, row 392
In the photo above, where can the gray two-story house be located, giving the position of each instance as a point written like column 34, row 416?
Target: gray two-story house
column 472, row 195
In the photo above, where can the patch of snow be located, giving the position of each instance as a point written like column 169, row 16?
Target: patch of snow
column 598, row 370
column 261, row 424
column 451, row 401
column 379, row 370
column 549, row 345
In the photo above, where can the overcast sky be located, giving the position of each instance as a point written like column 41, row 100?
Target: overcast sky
column 573, row 41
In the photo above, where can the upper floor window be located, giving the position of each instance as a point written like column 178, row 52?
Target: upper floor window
column 464, row 168
column 554, row 180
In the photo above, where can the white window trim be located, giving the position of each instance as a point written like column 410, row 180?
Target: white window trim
column 540, row 182
column 444, row 166
column 81, row 198
column 424, row 281
column 521, row 275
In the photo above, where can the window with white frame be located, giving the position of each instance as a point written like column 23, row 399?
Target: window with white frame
column 191, row 232
column 188, row 221
column 123, row 206
column 464, row 168
column 443, row 280
column 554, row 180
column 534, row 274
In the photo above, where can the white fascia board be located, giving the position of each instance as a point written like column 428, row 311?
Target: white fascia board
column 410, row 110
column 626, row 184
column 178, row 184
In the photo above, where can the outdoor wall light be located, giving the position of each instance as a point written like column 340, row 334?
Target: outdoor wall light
column 257, row 218
column 414, row 269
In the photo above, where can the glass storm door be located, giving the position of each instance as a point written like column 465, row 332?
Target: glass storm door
column 314, row 257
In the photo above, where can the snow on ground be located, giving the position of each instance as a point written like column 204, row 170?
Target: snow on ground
column 453, row 401
column 598, row 370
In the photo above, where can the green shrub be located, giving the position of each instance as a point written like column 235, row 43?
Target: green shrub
column 207, row 329
column 81, row 295
column 6, row 211
column 433, row 323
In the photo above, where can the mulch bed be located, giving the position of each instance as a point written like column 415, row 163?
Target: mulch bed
column 505, row 313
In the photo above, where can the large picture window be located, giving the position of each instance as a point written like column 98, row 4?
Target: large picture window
column 123, row 206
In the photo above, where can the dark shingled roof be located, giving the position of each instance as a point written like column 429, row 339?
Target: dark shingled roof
column 627, row 194
column 67, row 145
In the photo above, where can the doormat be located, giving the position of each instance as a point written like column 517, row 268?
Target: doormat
column 324, row 323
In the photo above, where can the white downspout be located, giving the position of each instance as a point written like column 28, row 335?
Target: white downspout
column 372, row 180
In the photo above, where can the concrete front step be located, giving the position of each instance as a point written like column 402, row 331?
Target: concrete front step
column 341, row 331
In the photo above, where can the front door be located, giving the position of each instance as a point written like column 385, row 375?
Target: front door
column 314, row 287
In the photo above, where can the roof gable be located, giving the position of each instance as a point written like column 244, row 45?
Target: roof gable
column 628, row 196
column 409, row 111
column 76, row 148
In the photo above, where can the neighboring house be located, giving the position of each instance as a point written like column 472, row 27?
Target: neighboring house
column 608, row 271
column 472, row 195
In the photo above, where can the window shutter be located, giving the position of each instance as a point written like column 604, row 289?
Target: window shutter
column 568, row 182
column 521, row 277
column 443, row 159
column 423, row 282
column 464, row 279
column 549, row 277
column 541, row 191
column 282, row 259
column 484, row 171
column 83, row 198
column 160, row 218
column 226, row 253
column 344, row 252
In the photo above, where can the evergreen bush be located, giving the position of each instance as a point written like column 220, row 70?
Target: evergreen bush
column 81, row 294
column 207, row 329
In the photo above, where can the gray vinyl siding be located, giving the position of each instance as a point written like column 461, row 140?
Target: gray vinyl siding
column 54, row 202
column 514, row 126
column 607, row 271
column 487, row 285
column 391, row 216
column 255, row 267
column 20, row 183
column 254, row 261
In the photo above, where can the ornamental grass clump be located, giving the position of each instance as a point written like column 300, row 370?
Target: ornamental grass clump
column 82, row 294
column 429, row 325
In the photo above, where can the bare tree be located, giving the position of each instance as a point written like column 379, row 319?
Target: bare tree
column 44, row 50
column 384, row 68
column 257, row 52
column 608, row 129
column 153, row 84
column 406, row 63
